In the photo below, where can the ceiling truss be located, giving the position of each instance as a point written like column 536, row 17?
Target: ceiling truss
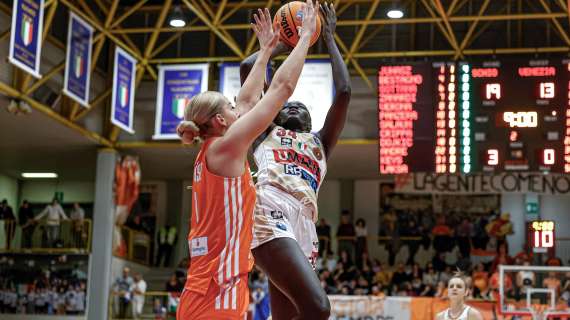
column 455, row 28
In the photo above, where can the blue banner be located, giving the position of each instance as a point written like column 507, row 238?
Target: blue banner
column 78, row 60
column 122, row 100
column 177, row 84
column 26, row 35
column 229, row 84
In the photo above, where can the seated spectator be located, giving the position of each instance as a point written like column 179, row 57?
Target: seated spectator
column 494, row 285
column 383, row 276
column 442, row 235
column 345, row 259
column 480, row 282
column 525, row 280
column 430, row 276
column 425, row 253
column 502, row 257
column 400, row 275
column 173, row 285
column 552, row 282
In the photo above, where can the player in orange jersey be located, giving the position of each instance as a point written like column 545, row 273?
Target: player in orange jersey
column 223, row 196
column 292, row 162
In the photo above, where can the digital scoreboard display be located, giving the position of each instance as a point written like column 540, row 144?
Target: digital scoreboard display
column 462, row 117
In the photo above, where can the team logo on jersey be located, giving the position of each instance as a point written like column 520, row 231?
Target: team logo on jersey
column 318, row 153
column 198, row 247
column 293, row 170
column 287, row 142
column 281, row 226
column 276, row 214
column 304, row 161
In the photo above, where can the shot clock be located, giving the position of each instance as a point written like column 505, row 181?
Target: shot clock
column 541, row 235
column 488, row 116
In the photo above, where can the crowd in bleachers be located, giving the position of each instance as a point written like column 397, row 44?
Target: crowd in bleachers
column 42, row 285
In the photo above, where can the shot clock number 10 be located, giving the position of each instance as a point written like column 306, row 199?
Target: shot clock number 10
column 542, row 235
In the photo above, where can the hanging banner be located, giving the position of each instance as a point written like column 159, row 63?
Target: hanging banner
column 122, row 106
column 229, row 80
column 177, row 84
column 315, row 89
column 480, row 183
column 26, row 35
column 78, row 60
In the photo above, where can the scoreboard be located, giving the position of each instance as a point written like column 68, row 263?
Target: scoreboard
column 463, row 117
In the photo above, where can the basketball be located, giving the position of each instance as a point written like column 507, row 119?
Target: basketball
column 288, row 18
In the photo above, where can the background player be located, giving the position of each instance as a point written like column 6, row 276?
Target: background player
column 457, row 292
column 291, row 166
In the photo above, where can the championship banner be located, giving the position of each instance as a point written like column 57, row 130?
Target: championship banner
column 229, row 80
column 123, row 97
column 177, row 84
column 26, row 35
column 78, row 60
column 481, row 183
column 315, row 89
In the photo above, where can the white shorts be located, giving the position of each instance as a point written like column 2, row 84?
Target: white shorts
column 280, row 215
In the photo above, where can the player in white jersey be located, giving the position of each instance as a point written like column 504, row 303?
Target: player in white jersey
column 291, row 164
column 457, row 291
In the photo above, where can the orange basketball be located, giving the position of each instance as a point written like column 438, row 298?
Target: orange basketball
column 288, row 18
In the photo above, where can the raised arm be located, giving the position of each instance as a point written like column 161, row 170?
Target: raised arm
column 241, row 134
column 336, row 117
column 252, row 87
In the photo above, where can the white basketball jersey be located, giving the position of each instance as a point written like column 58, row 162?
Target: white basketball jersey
column 294, row 162
column 463, row 316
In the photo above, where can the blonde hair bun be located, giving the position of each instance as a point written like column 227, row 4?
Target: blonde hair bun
column 189, row 132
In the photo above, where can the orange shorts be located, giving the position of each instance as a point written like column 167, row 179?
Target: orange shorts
column 218, row 303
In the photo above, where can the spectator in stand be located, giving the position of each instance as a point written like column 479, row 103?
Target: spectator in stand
column 525, row 280
column 425, row 254
column 361, row 238
column 26, row 222
column 78, row 219
column 441, row 235
column 480, row 282
column 480, row 238
column 430, row 276
column 499, row 228
column 173, row 285
column 122, row 289
column 384, row 276
column 400, row 275
column 363, row 261
column 54, row 214
column 494, row 285
column 138, row 289
column 167, row 237
column 445, row 275
column 324, row 235
column 60, row 301
column 463, row 233
column 552, row 282
column 7, row 215
column 345, row 234
column 345, row 259
column 412, row 231
column 502, row 257
column 553, row 261
column 329, row 263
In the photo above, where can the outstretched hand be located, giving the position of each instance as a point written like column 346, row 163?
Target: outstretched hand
column 309, row 24
column 263, row 28
column 329, row 16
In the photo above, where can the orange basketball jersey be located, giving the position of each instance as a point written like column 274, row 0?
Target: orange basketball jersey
column 220, row 230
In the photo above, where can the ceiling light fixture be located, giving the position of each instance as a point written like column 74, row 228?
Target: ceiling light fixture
column 39, row 175
column 177, row 18
column 395, row 14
